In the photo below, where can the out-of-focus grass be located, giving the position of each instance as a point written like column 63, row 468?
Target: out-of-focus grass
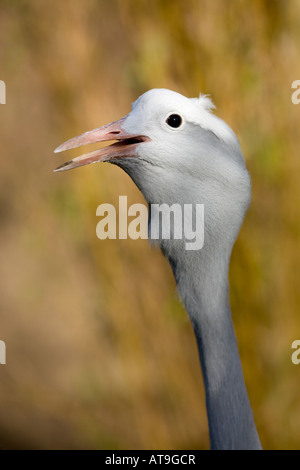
column 100, row 353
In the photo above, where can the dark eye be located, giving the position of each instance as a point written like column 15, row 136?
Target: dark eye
column 174, row 120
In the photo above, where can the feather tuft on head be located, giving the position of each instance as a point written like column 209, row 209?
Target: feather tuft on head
column 204, row 102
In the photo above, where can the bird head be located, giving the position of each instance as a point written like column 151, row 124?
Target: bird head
column 176, row 151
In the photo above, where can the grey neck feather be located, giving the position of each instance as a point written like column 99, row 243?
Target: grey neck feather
column 202, row 281
column 202, row 278
column 230, row 418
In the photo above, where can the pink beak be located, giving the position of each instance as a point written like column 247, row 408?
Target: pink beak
column 125, row 147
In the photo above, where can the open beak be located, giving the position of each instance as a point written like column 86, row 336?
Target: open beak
column 125, row 147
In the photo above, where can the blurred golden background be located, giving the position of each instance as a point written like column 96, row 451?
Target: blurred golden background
column 100, row 352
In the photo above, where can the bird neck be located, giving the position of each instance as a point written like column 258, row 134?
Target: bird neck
column 230, row 418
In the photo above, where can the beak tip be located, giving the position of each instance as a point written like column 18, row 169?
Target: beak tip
column 64, row 166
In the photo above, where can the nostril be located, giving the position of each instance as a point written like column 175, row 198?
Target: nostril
column 115, row 132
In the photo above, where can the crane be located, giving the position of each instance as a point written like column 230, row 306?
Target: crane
column 177, row 151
